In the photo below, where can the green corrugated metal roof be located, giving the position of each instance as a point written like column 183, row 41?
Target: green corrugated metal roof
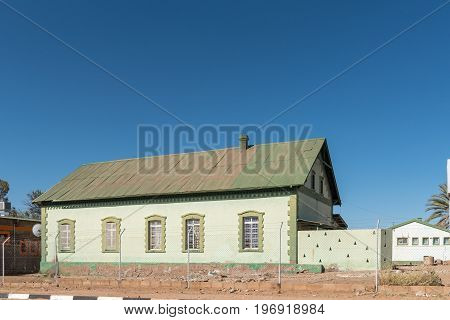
column 418, row 220
column 263, row 166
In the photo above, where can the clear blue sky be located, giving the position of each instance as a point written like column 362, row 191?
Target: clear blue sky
column 386, row 120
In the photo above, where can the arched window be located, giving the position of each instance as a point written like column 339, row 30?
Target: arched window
column 66, row 238
column 321, row 186
column 193, row 228
column 155, row 234
column 313, row 180
column 251, row 226
column 110, row 234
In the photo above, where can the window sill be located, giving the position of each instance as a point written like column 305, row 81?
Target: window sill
column 193, row 251
column 110, row 251
column 66, row 251
column 155, row 251
column 250, row 250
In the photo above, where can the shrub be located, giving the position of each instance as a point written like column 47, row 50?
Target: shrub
column 411, row 279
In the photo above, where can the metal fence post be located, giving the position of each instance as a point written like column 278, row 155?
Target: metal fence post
column 279, row 263
column 188, row 276
column 3, row 260
column 56, row 256
column 378, row 257
column 120, row 255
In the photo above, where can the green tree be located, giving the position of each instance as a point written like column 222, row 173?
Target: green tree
column 438, row 205
column 33, row 210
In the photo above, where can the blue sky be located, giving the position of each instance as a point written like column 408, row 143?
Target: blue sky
column 215, row 62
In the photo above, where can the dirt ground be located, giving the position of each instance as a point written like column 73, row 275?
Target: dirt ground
column 35, row 284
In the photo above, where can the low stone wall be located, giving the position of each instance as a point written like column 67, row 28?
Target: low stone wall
column 176, row 285
column 178, row 271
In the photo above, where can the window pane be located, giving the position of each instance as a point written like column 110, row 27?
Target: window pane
column 193, row 234
column 111, row 236
column 415, row 241
column 425, row 241
column 447, row 241
column 64, row 237
column 251, row 234
column 402, row 241
column 155, row 234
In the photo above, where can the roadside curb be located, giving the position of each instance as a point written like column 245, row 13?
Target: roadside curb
column 30, row 296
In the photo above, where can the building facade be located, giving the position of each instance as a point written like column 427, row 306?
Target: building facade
column 22, row 247
column 238, row 208
column 415, row 239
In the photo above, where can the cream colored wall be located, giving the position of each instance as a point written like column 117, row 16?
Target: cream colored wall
column 221, row 231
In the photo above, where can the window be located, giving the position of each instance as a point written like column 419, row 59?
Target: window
column 66, row 237
column 251, row 231
column 110, row 234
column 402, row 241
column 446, row 241
column 321, row 185
column 313, row 180
column 155, row 234
column 193, row 232
column 415, row 241
column 425, row 241
column 436, row 241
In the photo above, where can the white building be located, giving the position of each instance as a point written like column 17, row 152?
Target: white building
column 414, row 239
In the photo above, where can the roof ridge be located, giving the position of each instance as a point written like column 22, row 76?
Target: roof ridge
column 200, row 151
column 419, row 220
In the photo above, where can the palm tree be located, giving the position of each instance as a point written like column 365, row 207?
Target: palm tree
column 438, row 204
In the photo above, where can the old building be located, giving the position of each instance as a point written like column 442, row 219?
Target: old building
column 23, row 248
column 223, row 206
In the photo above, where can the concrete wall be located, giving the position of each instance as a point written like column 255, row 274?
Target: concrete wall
column 221, row 231
column 407, row 253
column 345, row 249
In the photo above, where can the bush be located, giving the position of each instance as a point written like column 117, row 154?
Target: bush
column 411, row 279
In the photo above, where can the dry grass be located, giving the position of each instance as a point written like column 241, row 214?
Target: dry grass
column 423, row 278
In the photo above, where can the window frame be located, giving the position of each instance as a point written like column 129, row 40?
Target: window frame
column 438, row 241
column 402, row 244
column 412, row 241
column 427, row 240
column 201, row 218
column 446, row 243
column 247, row 214
column 161, row 219
column 117, row 221
column 71, row 224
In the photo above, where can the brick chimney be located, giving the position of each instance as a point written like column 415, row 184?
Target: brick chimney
column 243, row 140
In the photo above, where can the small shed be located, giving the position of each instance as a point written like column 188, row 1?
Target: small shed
column 415, row 239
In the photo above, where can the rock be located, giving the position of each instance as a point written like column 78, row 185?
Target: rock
column 421, row 294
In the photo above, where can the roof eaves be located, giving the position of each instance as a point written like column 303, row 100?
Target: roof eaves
column 421, row 222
